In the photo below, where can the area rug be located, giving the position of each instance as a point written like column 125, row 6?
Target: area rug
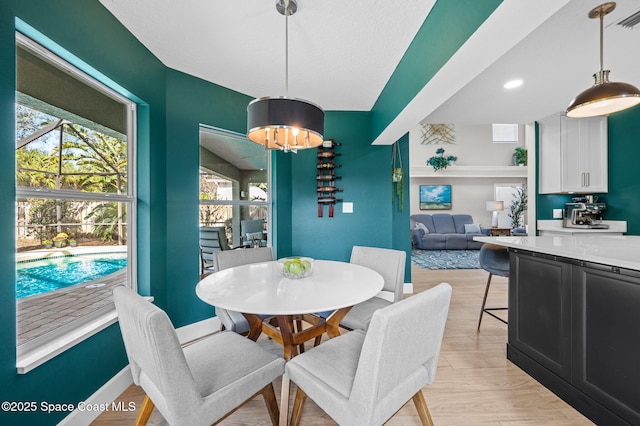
column 446, row 259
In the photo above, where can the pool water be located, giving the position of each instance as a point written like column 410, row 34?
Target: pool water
column 56, row 273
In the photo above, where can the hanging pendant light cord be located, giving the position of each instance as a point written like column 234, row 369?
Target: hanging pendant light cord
column 286, row 48
column 601, row 41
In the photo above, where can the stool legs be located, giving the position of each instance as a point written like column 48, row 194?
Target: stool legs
column 484, row 302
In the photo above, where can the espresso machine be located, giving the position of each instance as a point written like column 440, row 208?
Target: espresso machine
column 585, row 214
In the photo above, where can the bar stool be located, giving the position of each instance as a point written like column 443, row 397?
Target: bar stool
column 495, row 260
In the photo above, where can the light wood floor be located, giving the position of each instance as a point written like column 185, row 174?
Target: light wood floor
column 475, row 384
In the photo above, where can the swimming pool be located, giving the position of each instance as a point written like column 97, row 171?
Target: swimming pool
column 44, row 275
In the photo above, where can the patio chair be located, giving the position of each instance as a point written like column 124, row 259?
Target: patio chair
column 199, row 384
column 388, row 263
column 212, row 239
column 363, row 378
column 252, row 235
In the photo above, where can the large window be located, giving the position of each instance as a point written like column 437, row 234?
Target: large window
column 234, row 187
column 75, row 196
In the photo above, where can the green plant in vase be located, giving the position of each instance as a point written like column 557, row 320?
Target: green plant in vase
column 397, row 177
column 520, row 156
column 518, row 207
column 439, row 161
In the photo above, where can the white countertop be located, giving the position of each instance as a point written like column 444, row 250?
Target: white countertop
column 556, row 226
column 621, row 251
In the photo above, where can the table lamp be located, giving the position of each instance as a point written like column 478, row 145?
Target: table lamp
column 495, row 207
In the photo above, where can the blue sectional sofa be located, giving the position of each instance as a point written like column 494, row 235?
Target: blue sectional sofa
column 445, row 232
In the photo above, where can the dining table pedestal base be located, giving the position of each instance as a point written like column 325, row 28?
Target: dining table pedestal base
column 292, row 339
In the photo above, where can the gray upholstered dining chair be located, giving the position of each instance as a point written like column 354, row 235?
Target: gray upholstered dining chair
column 199, row 384
column 363, row 378
column 388, row 263
column 232, row 320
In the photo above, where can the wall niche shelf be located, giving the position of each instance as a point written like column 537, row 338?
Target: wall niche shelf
column 470, row 172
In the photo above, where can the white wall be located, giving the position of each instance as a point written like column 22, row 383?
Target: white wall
column 473, row 147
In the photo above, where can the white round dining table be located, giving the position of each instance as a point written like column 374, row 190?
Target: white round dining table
column 260, row 288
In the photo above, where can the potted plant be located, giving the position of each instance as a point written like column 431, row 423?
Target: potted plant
column 397, row 177
column 520, row 156
column 47, row 244
column 518, row 207
column 439, row 161
column 60, row 240
column 72, row 242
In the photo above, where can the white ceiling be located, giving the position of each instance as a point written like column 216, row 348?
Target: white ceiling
column 234, row 149
column 556, row 62
column 341, row 54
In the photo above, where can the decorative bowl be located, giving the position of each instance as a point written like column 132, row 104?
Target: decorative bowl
column 295, row 267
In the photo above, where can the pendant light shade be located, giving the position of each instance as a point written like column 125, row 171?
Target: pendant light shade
column 604, row 97
column 285, row 123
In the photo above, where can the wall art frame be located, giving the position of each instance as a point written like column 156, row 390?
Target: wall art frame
column 435, row 197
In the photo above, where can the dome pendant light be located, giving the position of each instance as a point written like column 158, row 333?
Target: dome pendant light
column 284, row 123
column 604, row 97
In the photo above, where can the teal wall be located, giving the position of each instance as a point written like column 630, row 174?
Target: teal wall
column 171, row 107
column 281, row 233
column 623, row 202
column 366, row 179
column 190, row 102
column 449, row 24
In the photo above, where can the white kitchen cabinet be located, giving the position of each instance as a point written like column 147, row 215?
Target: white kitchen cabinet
column 573, row 155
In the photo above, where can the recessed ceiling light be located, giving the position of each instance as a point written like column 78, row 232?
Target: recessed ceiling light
column 513, row 84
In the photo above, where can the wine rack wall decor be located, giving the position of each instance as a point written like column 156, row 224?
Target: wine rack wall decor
column 327, row 177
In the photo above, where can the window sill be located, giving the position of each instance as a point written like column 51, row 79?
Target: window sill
column 30, row 358
column 33, row 354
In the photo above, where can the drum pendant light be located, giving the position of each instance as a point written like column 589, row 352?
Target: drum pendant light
column 284, row 123
column 604, row 97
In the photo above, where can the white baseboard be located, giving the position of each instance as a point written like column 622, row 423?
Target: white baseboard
column 408, row 288
column 102, row 397
column 111, row 390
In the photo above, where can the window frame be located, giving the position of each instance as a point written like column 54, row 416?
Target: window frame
column 246, row 203
column 40, row 349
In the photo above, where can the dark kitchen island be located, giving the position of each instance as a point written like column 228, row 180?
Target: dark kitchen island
column 574, row 320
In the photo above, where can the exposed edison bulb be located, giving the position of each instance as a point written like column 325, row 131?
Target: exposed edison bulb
column 266, row 138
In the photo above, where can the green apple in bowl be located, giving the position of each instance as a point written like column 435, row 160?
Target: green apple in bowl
column 296, row 267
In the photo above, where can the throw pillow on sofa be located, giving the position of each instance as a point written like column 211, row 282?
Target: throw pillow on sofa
column 472, row 228
column 422, row 226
